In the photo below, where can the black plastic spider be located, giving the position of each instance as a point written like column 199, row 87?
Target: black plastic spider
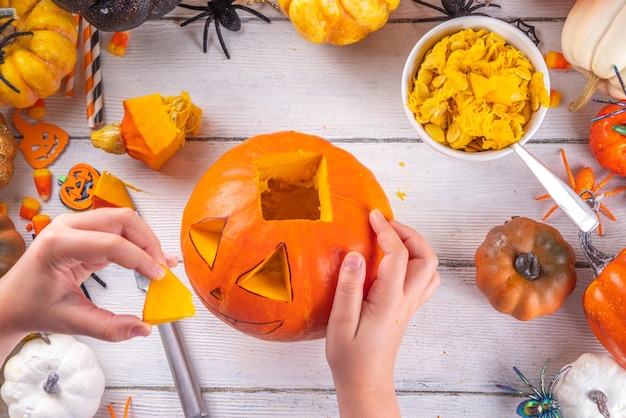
column 224, row 12
column 3, row 43
column 458, row 8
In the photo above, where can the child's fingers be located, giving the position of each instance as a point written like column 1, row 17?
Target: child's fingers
column 392, row 268
column 87, row 319
column 346, row 309
column 90, row 247
column 422, row 278
column 119, row 221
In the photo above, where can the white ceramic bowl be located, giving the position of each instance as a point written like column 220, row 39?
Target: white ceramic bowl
column 513, row 36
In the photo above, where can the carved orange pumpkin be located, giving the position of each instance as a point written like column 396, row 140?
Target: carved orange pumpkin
column 266, row 229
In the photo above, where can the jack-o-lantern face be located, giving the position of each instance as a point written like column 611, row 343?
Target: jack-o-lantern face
column 76, row 192
column 266, row 229
column 42, row 142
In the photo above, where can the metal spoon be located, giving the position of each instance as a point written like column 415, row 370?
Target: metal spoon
column 571, row 203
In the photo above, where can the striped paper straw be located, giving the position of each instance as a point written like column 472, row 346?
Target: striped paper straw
column 93, row 74
column 69, row 79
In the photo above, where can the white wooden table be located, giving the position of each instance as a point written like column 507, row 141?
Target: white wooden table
column 457, row 348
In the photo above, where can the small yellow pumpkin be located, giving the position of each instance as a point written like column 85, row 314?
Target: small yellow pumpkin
column 38, row 49
column 339, row 22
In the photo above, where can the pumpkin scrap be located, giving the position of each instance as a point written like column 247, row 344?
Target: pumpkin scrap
column 35, row 62
column 12, row 244
column 8, row 151
column 152, row 130
column 474, row 92
column 525, row 268
column 167, row 300
column 110, row 191
column 266, row 229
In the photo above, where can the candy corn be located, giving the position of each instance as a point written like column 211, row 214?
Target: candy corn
column 30, row 207
column 117, row 44
column 40, row 221
column 38, row 110
column 43, row 182
column 556, row 61
column 555, row 98
column 3, row 208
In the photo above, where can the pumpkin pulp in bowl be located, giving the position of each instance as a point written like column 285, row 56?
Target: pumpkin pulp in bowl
column 474, row 85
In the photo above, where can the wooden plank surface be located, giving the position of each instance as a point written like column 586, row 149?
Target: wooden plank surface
column 457, row 348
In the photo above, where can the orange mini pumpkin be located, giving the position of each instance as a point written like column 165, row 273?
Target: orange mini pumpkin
column 266, row 229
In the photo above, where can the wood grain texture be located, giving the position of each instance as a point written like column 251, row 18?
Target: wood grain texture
column 457, row 348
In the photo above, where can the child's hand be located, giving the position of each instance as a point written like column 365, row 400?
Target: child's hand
column 41, row 293
column 363, row 336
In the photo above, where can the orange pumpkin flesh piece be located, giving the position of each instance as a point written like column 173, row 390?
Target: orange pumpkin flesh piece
column 266, row 229
column 603, row 303
column 110, row 191
column 167, row 300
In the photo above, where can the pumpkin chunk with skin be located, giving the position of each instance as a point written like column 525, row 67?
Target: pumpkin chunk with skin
column 167, row 300
column 152, row 130
column 109, row 192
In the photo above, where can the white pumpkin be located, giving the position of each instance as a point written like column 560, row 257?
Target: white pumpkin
column 58, row 380
column 592, row 376
column 592, row 41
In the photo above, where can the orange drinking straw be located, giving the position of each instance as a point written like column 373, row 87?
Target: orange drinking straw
column 69, row 79
column 93, row 74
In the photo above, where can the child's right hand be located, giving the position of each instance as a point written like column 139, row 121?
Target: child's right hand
column 363, row 336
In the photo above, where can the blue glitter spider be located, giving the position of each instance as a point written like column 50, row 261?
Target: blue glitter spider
column 542, row 403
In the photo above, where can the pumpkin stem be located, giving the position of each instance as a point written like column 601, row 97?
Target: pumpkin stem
column 527, row 264
column 620, row 129
column 51, row 386
column 602, row 401
column 109, row 139
column 596, row 258
column 585, row 95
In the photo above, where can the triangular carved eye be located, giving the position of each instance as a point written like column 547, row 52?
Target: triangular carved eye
column 271, row 278
column 205, row 236
column 217, row 293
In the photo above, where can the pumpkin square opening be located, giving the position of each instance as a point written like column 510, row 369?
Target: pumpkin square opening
column 293, row 186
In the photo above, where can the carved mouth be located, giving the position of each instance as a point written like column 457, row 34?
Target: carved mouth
column 253, row 328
